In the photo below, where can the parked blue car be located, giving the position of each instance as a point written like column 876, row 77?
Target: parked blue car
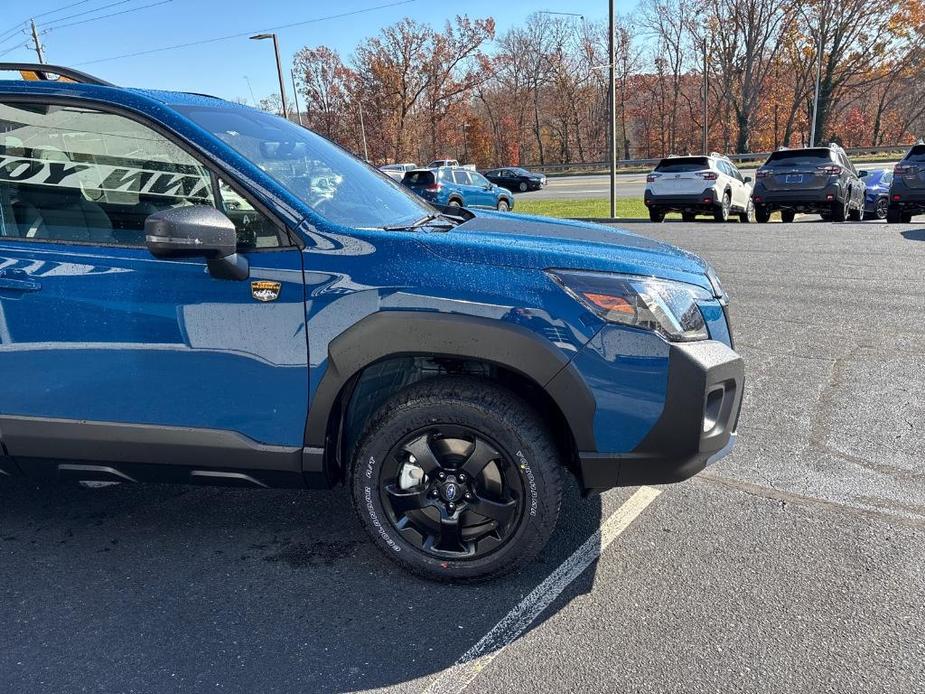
column 193, row 291
column 458, row 187
column 877, row 195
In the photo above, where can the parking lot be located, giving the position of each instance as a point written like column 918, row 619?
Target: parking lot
column 794, row 565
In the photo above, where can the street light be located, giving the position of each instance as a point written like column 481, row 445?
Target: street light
column 279, row 68
column 612, row 129
column 812, row 131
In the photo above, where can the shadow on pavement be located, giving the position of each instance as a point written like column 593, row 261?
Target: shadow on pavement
column 914, row 234
column 157, row 588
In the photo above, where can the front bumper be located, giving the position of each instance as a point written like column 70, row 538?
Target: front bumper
column 697, row 426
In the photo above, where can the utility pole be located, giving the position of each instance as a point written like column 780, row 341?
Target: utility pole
column 39, row 50
column 613, row 111
column 295, row 96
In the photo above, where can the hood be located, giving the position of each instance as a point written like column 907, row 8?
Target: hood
column 543, row 243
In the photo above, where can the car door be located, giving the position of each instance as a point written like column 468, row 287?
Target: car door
column 486, row 192
column 472, row 195
column 741, row 192
column 109, row 353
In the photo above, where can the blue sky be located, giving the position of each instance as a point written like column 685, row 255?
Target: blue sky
column 220, row 67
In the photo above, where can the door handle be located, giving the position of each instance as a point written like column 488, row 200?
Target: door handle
column 17, row 281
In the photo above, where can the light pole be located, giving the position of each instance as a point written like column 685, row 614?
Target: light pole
column 613, row 109
column 279, row 69
column 295, row 98
column 706, row 88
column 812, row 131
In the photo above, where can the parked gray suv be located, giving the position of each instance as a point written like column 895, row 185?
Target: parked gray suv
column 815, row 180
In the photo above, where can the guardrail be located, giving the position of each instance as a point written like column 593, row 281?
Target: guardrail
column 603, row 166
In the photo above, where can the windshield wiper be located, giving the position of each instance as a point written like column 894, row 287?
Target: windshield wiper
column 424, row 221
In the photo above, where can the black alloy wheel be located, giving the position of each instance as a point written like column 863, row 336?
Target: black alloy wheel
column 466, row 498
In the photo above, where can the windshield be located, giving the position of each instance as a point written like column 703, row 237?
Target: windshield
column 334, row 183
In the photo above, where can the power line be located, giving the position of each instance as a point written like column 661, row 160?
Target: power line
column 11, row 32
column 106, row 16
column 61, row 9
column 54, row 22
column 24, row 22
column 249, row 33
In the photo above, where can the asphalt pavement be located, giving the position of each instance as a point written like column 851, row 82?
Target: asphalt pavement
column 794, row 565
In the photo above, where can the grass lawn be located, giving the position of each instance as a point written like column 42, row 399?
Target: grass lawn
column 593, row 208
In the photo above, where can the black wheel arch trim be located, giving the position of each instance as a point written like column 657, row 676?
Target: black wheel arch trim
column 388, row 334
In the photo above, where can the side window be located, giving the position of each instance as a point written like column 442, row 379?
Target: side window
column 461, row 177
column 76, row 174
column 255, row 229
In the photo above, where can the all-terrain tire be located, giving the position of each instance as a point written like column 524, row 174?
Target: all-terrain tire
column 489, row 411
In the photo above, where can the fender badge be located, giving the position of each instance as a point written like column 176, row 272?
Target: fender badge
column 265, row 290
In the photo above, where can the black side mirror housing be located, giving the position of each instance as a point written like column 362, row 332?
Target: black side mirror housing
column 862, row 174
column 197, row 231
column 748, row 179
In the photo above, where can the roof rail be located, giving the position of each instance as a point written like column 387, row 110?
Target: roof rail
column 38, row 72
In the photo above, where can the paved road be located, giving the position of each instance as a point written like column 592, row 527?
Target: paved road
column 584, row 187
column 795, row 565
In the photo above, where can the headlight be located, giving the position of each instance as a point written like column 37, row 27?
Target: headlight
column 666, row 307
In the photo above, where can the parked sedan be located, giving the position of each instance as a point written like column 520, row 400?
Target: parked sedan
column 458, row 188
column 877, row 196
column 516, row 180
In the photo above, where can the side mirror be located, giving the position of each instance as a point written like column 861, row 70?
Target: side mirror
column 197, row 231
column 748, row 179
column 862, row 174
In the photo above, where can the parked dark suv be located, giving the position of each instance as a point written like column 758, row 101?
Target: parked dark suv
column 820, row 180
column 907, row 192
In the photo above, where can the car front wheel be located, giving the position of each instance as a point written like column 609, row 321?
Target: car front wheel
column 457, row 479
column 504, row 206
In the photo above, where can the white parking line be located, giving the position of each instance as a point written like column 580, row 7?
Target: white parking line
column 460, row 675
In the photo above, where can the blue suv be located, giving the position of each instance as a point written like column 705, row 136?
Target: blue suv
column 457, row 187
column 192, row 291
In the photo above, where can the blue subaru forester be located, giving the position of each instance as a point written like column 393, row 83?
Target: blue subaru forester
column 192, row 291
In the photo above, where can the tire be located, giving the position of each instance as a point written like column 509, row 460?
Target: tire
column 906, row 217
column 657, row 216
column 504, row 206
column 688, row 217
column 825, row 216
column 455, row 202
column 762, row 215
column 787, row 216
column 748, row 217
column 840, row 211
column 880, row 209
column 721, row 213
column 523, row 187
column 445, row 421
column 893, row 215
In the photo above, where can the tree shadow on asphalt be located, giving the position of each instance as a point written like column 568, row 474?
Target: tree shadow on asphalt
column 914, row 234
column 156, row 588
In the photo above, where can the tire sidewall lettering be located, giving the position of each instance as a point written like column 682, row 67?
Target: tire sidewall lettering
column 531, row 480
column 368, row 497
